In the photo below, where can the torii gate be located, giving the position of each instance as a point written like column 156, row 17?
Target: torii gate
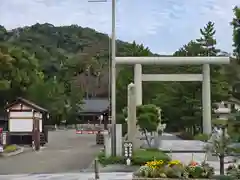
column 204, row 77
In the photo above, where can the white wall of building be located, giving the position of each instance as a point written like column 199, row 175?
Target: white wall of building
column 23, row 121
column 19, row 114
column 20, row 125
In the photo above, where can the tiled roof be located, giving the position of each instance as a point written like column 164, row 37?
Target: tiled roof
column 27, row 102
column 95, row 105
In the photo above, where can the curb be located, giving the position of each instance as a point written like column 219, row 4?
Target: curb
column 91, row 165
column 19, row 151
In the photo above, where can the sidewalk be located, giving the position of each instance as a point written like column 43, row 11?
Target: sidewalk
column 172, row 142
column 69, row 176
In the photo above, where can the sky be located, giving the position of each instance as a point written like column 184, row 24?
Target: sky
column 162, row 25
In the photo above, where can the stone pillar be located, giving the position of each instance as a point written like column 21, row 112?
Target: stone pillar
column 107, row 143
column 132, row 120
column 206, row 100
column 119, row 142
column 138, row 83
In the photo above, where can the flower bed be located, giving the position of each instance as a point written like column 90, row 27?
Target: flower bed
column 174, row 170
column 136, row 178
column 10, row 148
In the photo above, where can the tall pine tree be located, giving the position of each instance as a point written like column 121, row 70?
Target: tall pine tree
column 234, row 72
column 207, row 41
column 236, row 31
column 219, row 84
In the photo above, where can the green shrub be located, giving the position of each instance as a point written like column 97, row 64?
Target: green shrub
column 202, row 137
column 236, row 150
column 234, row 136
column 10, row 148
column 233, row 171
column 140, row 157
column 185, row 136
column 109, row 160
column 223, row 177
column 152, row 149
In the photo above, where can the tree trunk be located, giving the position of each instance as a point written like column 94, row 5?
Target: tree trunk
column 156, row 141
column 221, row 157
column 148, row 142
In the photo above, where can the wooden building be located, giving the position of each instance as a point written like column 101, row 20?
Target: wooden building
column 3, row 121
column 92, row 109
column 23, row 118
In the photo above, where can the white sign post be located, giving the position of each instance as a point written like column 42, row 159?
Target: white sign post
column 4, row 138
column 128, row 148
column 1, row 148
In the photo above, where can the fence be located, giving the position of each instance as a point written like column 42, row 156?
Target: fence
column 75, row 126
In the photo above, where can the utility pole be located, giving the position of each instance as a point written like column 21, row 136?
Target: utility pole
column 112, row 75
column 113, row 79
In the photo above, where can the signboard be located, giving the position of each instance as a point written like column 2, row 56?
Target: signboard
column 128, row 146
column 128, row 149
column 4, row 138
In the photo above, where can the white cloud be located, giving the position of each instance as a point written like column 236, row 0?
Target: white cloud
column 162, row 25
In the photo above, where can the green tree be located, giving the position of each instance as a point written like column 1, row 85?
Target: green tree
column 236, row 31
column 181, row 101
column 219, row 144
column 19, row 70
column 207, row 41
column 233, row 68
column 219, row 83
column 125, row 73
column 147, row 119
column 49, row 94
column 73, row 104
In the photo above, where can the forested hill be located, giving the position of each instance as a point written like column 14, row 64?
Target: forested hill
column 56, row 66
column 59, row 47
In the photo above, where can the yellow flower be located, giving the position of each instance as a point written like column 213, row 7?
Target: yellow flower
column 160, row 162
column 155, row 164
column 174, row 162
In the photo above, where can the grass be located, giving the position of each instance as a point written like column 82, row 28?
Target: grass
column 10, row 148
column 140, row 157
column 236, row 150
column 202, row 137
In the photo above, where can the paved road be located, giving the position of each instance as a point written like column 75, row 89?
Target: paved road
column 65, row 152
